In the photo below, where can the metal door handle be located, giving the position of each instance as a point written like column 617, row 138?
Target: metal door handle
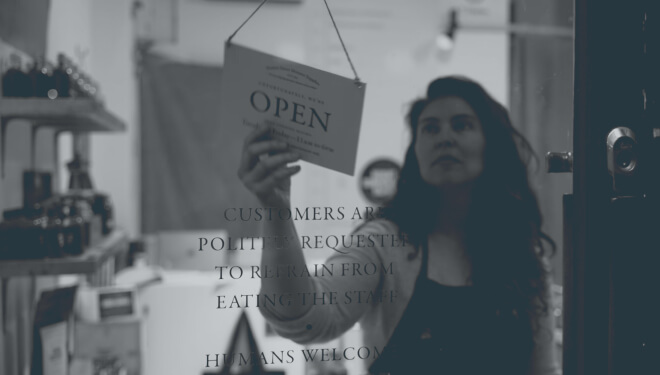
column 559, row 162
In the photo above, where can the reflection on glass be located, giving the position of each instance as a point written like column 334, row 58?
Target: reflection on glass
column 478, row 266
column 467, row 277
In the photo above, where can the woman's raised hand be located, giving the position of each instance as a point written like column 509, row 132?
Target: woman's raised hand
column 264, row 168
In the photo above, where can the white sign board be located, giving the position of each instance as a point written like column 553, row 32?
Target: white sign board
column 317, row 113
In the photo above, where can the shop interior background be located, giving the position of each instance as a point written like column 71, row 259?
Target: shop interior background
column 171, row 185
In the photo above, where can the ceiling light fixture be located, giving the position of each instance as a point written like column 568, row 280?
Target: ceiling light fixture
column 445, row 41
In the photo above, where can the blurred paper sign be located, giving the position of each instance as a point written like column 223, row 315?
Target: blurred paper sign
column 317, row 113
column 491, row 13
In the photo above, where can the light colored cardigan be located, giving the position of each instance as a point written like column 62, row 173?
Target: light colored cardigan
column 378, row 320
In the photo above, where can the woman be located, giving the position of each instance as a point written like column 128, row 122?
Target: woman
column 469, row 290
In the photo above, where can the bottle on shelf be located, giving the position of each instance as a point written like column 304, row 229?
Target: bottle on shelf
column 15, row 82
column 49, row 72
column 73, row 228
column 70, row 70
column 80, row 83
column 23, row 234
column 56, row 236
column 42, row 79
column 75, row 77
column 61, row 77
column 102, row 206
column 79, row 178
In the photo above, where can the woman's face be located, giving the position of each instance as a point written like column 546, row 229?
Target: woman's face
column 450, row 143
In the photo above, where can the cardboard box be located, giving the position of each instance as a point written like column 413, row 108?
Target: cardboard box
column 113, row 344
column 103, row 303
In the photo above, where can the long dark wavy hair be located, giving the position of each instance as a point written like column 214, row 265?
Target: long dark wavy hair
column 503, row 237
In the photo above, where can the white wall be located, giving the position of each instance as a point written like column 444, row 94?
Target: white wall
column 116, row 157
column 102, row 32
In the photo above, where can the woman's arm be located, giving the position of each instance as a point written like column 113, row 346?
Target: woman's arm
column 289, row 255
column 265, row 171
column 338, row 297
column 323, row 313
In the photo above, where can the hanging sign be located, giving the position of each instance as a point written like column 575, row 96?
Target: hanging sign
column 316, row 112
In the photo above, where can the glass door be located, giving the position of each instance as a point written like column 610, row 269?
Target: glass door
column 612, row 215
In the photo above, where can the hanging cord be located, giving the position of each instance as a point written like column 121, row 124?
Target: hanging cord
column 357, row 79
column 246, row 21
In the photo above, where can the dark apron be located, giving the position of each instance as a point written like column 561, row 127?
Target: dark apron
column 454, row 330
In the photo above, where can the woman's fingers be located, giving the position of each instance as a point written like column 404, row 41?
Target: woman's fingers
column 264, row 162
column 265, row 186
column 265, row 148
column 253, row 152
column 268, row 165
column 258, row 143
column 259, row 133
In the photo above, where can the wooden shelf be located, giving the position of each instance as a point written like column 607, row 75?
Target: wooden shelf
column 86, row 263
column 64, row 114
